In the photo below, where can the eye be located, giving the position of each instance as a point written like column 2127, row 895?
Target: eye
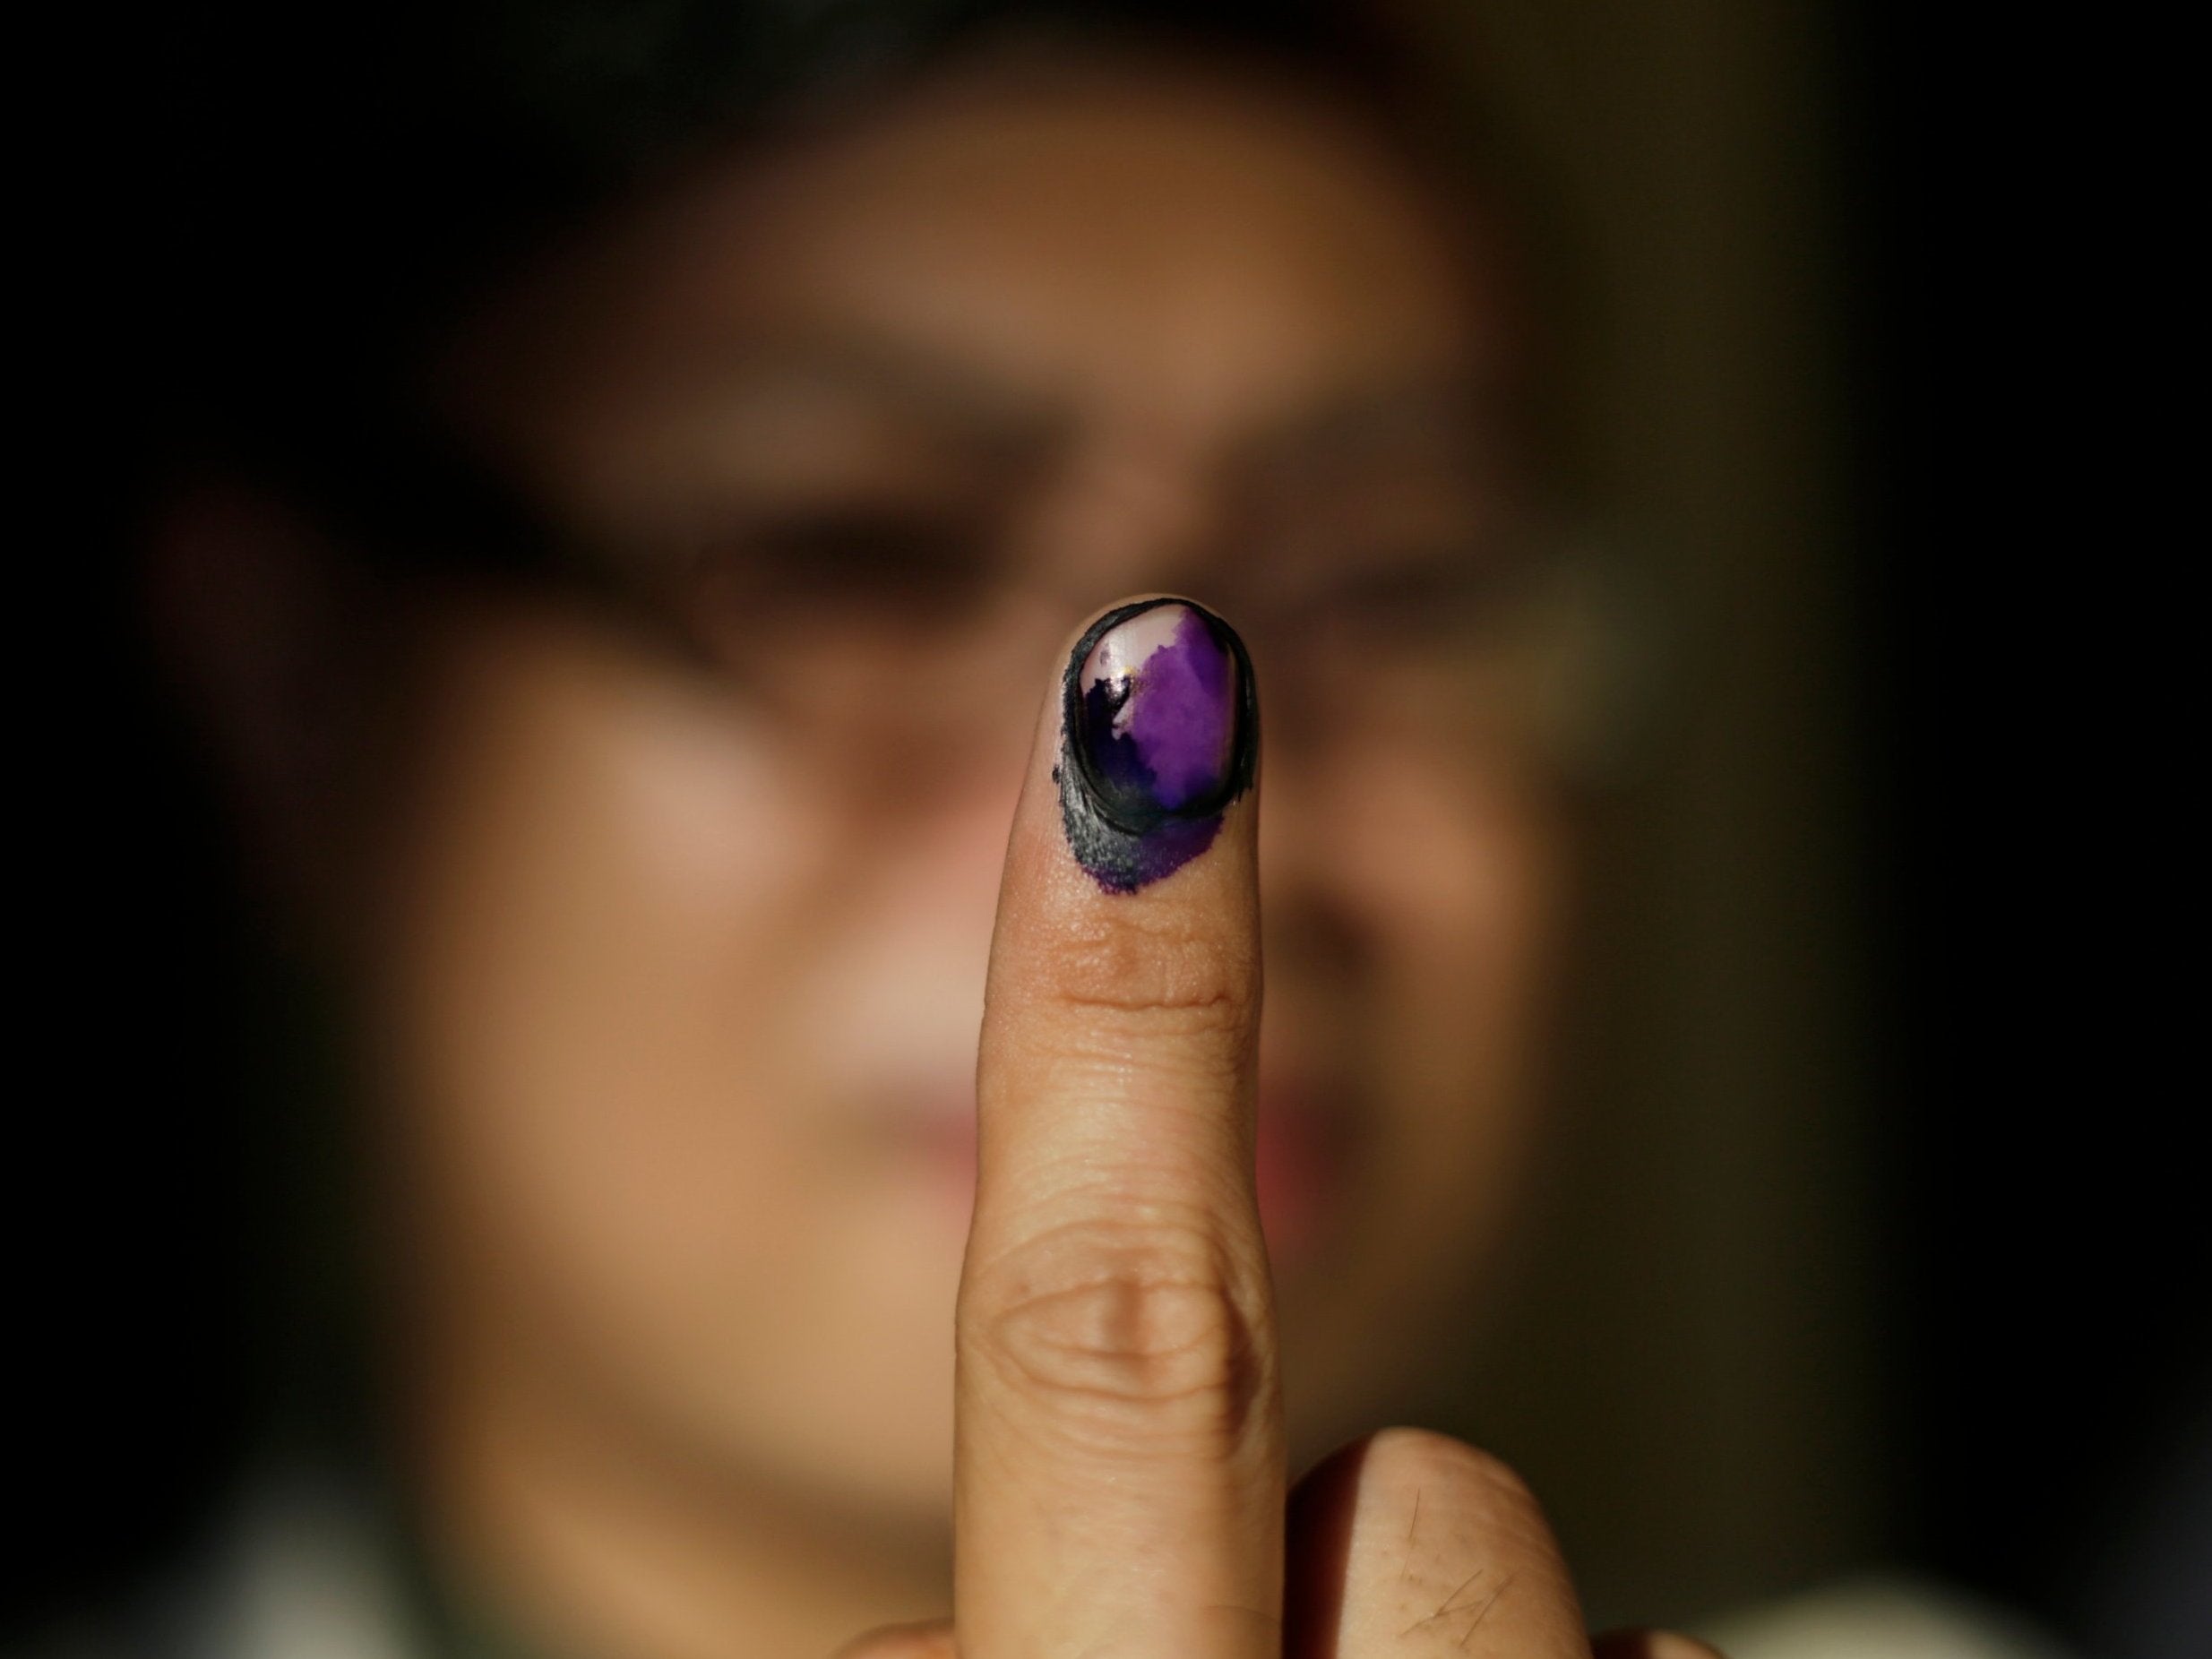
column 848, row 564
column 1442, row 597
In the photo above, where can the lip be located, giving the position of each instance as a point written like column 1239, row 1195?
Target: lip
column 1303, row 1166
column 1301, row 1151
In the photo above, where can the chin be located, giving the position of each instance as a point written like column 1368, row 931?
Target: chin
column 867, row 1446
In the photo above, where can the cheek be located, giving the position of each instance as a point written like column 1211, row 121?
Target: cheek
column 1453, row 879
column 1440, row 886
column 606, row 882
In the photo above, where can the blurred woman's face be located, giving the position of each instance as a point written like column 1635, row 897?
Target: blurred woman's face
column 687, row 969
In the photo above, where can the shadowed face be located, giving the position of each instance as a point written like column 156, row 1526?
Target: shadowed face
column 685, row 984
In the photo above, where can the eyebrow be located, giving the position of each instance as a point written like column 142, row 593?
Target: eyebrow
column 927, row 387
column 1012, row 424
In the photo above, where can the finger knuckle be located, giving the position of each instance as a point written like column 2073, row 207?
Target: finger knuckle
column 1162, row 967
column 1111, row 1322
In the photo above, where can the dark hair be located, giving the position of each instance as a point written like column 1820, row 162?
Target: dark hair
column 333, row 186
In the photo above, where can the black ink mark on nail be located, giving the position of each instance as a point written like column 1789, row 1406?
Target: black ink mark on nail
column 1159, row 733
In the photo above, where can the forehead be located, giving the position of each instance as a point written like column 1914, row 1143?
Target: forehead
column 1182, row 249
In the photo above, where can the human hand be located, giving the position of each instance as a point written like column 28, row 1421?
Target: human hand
column 1120, row 1485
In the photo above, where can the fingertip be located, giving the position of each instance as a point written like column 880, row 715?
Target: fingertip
column 1130, row 886
column 1158, row 737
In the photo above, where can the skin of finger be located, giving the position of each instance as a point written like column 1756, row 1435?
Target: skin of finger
column 1651, row 1645
column 1412, row 1545
column 1119, row 1482
column 906, row 1641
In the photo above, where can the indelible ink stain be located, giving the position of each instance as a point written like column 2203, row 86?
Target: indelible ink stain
column 1158, row 734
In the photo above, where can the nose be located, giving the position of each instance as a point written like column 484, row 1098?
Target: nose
column 940, row 864
column 1136, row 498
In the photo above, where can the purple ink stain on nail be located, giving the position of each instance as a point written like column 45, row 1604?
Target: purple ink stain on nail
column 1159, row 717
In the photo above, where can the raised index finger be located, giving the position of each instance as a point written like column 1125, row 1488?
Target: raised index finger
column 1120, row 1463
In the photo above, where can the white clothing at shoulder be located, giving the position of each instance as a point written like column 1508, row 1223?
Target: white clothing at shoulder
column 1877, row 1618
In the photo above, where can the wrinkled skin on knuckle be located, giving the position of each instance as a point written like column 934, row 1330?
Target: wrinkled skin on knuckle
column 1163, row 964
column 1172, row 1102
column 1123, row 1333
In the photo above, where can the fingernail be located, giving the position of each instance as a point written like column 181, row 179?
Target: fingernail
column 1158, row 737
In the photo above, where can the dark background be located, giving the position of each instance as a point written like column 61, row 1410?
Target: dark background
column 2046, row 1254
column 2037, row 1275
